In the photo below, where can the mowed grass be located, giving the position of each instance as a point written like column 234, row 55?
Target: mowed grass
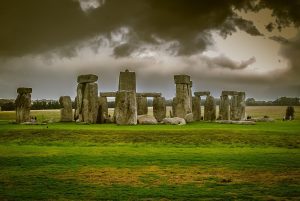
column 199, row 161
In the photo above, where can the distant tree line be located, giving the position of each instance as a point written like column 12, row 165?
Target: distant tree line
column 9, row 104
column 282, row 101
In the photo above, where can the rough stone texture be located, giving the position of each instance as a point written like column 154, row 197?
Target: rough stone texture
column 210, row 109
column 23, row 104
column 202, row 93
column 236, row 122
column 182, row 79
column 102, row 116
column 224, row 112
column 174, row 121
column 149, row 94
column 66, row 113
column 146, row 120
column 263, row 119
column 196, row 108
column 108, row 94
column 87, row 103
column 159, row 108
column 229, row 93
column 234, row 108
column 189, row 118
column 23, row 90
column 241, row 105
column 182, row 103
column 142, row 105
column 126, row 108
column 127, row 81
column 89, row 78
column 290, row 113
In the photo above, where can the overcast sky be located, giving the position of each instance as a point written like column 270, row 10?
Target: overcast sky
column 249, row 46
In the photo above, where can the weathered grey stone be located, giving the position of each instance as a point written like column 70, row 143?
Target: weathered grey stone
column 127, row 81
column 108, row 94
column 87, row 103
column 263, row 119
column 189, row 118
column 202, row 93
column 159, row 108
column 126, row 108
column 149, row 94
column 182, row 79
column 89, row 78
column 210, row 109
column 102, row 110
column 24, row 90
column 146, row 120
column 236, row 122
column 66, row 113
column 229, row 93
column 224, row 112
column 23, row 104
column 241, row 105
column 142, row 105
column 174, row 121
column 182, row 103
column 234, row 108
column 196, row 108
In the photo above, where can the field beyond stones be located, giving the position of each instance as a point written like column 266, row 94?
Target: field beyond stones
column 198, row 161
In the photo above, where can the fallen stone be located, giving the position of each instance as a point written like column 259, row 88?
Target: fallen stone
column 189, row 118
column 174, row 121
column 263, row 119
column 89, row 78
column 236, row 122
column 146, row 120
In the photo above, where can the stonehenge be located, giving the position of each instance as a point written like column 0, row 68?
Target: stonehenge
column 159, row 108
column 234, row 108
column 131, row 107
column 126, row 108
column 182, row 103
column 210, row 109
column 197, row 104
column 142, row 105
column 87, row 99
column 23, row 104
column 66, row 113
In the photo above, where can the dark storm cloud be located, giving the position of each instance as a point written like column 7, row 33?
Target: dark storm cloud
column 35, row 26
column 279, row 39
column 225, row 62
column 291, row 51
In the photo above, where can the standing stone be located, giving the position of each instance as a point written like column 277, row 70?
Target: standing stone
column 23, row 104
column 241, row 106
column 182, row 104
column 210, row 109
column 127, row 81
column 234, row 108
column 87, row 99
column 126, row 108
column 159, row 108
column 102, row 110
column 142, row 105
column 224, row 112
column 66, row 114
column 196, row 107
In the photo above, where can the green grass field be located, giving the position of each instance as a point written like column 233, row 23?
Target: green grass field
column 199, row 161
